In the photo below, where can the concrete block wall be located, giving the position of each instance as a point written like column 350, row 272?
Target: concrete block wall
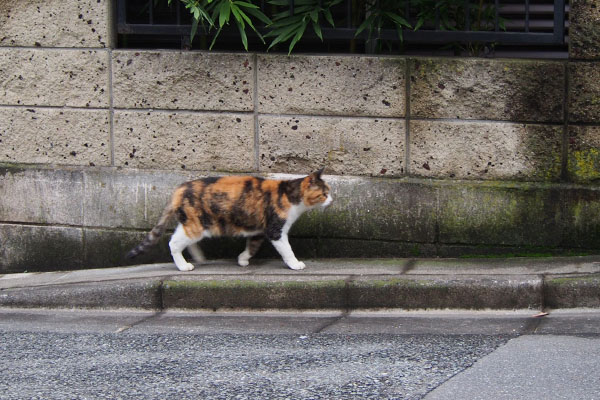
column 428, row 156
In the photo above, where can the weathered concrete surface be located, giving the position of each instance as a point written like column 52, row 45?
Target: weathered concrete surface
column 183, row 80
column 572, row 291
column 183, row 140
column 52, row 77
column 506, row 292
column 331, row 85
column 583, row 163
column 55, row 23
column 54, row 136
column 347, row 146
column 112, row 209
column 324, row 284
column 485, row 150
column 508, row 90
column 127, row 199
column 143, row 294
column 584, row 29
column 500, row 215
column 404, row 211
column 584, row 92
column 41, row 196
column 581, row 211
column 27, row 248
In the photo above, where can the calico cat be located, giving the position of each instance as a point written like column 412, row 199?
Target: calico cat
column 246, row 206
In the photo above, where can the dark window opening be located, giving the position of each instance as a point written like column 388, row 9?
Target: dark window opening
column 501, row 28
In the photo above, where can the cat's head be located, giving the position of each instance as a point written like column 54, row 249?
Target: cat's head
column 315, row 191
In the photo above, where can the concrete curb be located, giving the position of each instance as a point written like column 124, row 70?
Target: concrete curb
column 325, row 284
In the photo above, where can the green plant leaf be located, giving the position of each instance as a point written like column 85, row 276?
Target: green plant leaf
column 258, row 14
column 284, row 34
column 215, row 38
column 245, row 5
column 397, row 19
column 399, row 30
column 419, row 23
column 194, row 29
column 328, row 17
column 224, row 12
column 297, row 36
column 284, row 23
column 367, row 23
column 317, row 29
column 236, row 14
column 243, row 34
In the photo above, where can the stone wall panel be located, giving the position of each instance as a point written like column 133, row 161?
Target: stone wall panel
column 331, row 85
column 183, row 80
column 74, row 78
column 584, row 92
column 485, row 150
column 54, row 136
column 184, row 140
column 505, row 90
column 55, row 23
column 346, row 146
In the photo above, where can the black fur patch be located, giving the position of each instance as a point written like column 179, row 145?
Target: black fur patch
column 188, row 194
column 292, row 190
column 206, row 221
column 274, row 224
column 254, row 243
column 181, row 215
column 210, row 180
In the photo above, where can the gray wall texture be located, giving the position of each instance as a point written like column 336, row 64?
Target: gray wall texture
column 427, row 156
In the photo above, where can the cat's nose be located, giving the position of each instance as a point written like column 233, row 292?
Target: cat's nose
column 328, row 201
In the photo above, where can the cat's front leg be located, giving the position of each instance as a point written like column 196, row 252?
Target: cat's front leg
column 283, row 247
column 252, row 245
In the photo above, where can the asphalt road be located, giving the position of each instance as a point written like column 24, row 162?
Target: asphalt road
column 48, row 354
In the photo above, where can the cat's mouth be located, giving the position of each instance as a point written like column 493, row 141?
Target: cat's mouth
column 327, row 201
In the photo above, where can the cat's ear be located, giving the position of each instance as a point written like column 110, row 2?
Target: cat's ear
column 315, row 176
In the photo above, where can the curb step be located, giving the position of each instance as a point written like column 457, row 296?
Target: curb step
column 325, row 284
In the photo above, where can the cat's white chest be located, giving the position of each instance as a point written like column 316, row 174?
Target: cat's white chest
column 294, row 213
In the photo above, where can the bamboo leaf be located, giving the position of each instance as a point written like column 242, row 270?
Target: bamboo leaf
column 297, row 37
column 399, row 30
column 258, row 14
column 194, row 29
column 215, row 38
column 245, row 5
column 419, row 23
column 317, row 29
column 282, row 37
column 224, row 12
column 236, row 14
column 367, row 23
column 328, row 17
column 397, row 19
column 243, row 34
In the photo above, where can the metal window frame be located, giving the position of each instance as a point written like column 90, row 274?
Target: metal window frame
column 423, row 36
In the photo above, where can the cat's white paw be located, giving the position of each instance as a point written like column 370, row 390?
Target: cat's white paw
column 297, row 265
column 186, row 267
column 242, row 262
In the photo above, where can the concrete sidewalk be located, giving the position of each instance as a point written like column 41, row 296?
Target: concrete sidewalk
column 345, row 284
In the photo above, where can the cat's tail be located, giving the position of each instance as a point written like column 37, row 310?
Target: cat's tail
column 154, row 236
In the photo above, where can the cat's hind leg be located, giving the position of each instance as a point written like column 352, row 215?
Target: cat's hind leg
column 252, row 245
column 179, row 241
column 196, row 253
